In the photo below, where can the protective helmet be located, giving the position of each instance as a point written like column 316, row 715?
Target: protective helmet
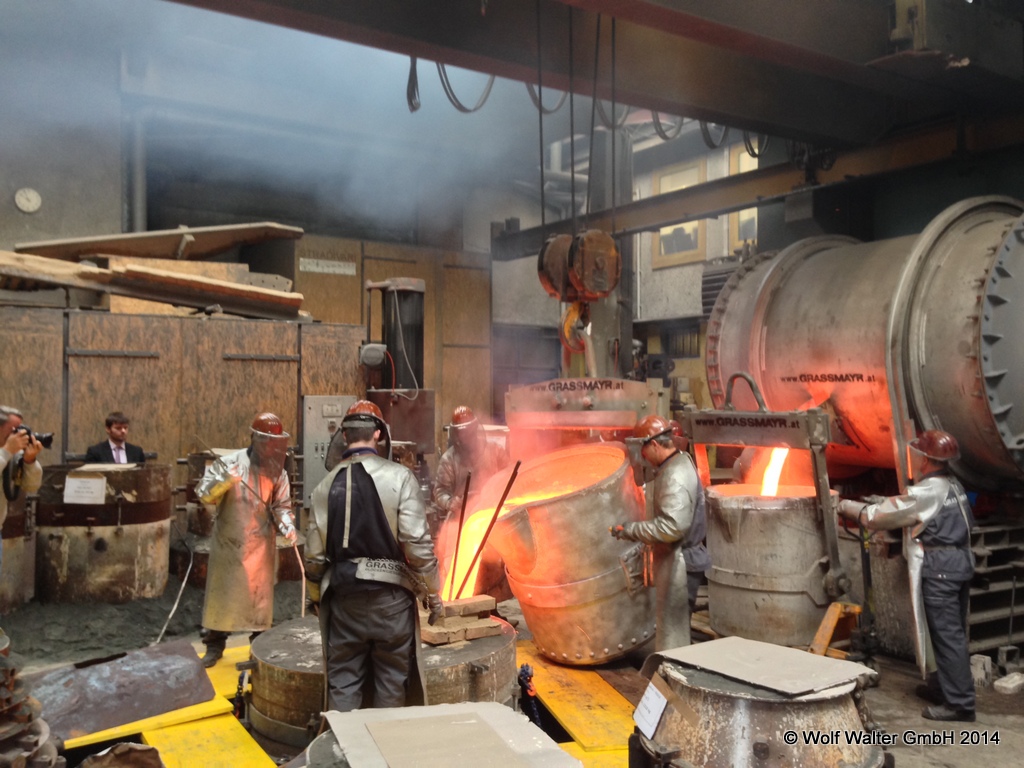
column 679, row 440
column 463, row 417
column 937, row 445
column 363, row 413
column 650, row 427
column 268, row 424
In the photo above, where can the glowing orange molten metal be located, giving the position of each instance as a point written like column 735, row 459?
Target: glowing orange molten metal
column 539, row 479
column 770, row 484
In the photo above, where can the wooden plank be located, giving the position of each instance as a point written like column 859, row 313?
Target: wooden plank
column 328, row 273
column 147, row 389
column 134, row 276
column 200, row 242
column 215, row 742
column 236, row 273
column 212, row 708
column 596, row 715
column 612, row 758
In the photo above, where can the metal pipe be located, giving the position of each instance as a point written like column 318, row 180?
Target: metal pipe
column 487, row 533
column 458, row 533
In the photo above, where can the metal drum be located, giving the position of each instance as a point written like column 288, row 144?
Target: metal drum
column 581, row 591
column 18, row 575
column 930, row 319
column 288, row 677
column 769, row 557
column 738, row 725
column 108, row 552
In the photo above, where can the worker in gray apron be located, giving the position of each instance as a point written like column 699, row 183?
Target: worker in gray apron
column 369, row 555
column 936, row 519
column 252, row 495
column 675, row 535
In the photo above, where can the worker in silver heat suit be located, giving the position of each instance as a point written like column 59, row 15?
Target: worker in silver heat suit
column 936, row 519
column 676, row 533
column 252, row 495
column 470, row 452
column 369, row 555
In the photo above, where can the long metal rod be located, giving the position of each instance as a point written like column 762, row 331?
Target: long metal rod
column 458, row 533
column 494, row 519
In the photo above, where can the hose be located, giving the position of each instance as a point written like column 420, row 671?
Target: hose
column 446, row 84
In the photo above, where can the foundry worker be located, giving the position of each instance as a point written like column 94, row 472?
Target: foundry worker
column 936, row 519
column 115, row 449
column 675, row 534
column 369, row 555
column 470, row 451
column 252, row 494
column 18, row 452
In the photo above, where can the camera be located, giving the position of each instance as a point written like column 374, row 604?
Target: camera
column 45, row 438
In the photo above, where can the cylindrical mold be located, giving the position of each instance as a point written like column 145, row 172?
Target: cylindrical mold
column 737, row 725
column 288, row 678
column 769, row 560
column 108, row 552
column 581, row 591
column 855, row 325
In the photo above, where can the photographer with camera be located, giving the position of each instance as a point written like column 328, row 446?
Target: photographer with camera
column 21, row 471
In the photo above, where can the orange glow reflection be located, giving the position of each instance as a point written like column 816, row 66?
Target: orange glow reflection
column 539, row 479
column 770, row 484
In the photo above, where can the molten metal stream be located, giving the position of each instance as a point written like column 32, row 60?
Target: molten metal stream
column 538, row 481
column 770, row 484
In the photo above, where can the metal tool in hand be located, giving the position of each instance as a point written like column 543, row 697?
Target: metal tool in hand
column 295, row 544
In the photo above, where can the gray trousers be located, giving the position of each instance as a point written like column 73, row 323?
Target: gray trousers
column 369, row 643
column 945, row 608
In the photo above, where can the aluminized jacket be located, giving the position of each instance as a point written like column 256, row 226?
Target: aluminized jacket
column 675, row 534
column 400, row 496
column 914, row 512
column 240, row 575
column 454, row 464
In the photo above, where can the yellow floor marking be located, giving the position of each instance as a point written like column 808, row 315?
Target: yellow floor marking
column 614, row 758
column 596, row 715
column 214, row 742
column 215, row 706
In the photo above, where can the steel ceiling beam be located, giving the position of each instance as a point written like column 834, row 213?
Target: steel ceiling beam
column 667, row 59
column 772, row 184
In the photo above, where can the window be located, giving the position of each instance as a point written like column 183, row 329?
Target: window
column 742, row 224
column 679, row 243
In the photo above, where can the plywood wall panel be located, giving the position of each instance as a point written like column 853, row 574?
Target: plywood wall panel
column 328, row 273
column 466, row 381
column 129, row 363
column 227, row 393
column 466, row 306
column 330, row 359
column 31, row 347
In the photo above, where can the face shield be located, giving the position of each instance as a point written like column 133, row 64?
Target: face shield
column 269, row 453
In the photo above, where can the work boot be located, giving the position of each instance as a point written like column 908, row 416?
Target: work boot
column 930, row 694
column 213, row 654
column 942, row 712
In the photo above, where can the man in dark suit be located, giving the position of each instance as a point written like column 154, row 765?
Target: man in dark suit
column 114, row 450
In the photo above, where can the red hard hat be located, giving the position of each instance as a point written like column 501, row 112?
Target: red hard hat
column 363, row 413
column 937, row 445
column 268, row 423
column 651, row 426
column 463, row 416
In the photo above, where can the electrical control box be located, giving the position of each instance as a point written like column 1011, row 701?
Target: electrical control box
column 322, row 415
